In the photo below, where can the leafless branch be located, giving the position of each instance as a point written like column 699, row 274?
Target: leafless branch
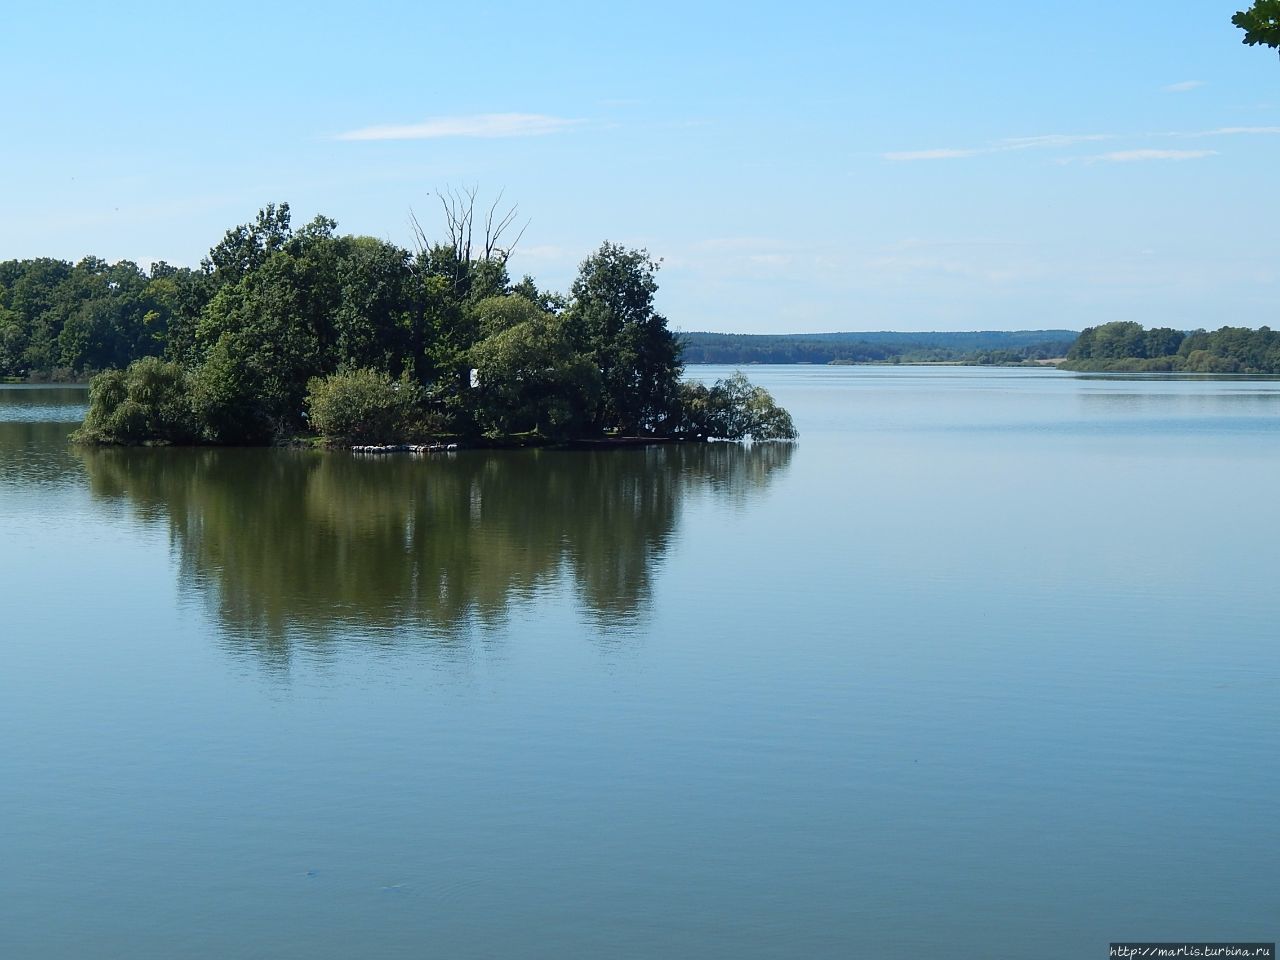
column 458, row 205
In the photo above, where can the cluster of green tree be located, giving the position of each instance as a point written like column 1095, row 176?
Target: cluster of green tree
column 1260, row 23
column 64, row 321
column 283, row 330
column 985, row 347
column 1127, row 346
column 279, row 544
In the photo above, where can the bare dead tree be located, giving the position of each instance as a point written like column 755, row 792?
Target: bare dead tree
column 420, row 243
column 459, row 207
column 495, row 226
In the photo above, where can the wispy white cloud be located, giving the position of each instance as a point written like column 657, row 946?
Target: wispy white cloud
column 544, row 251
column 771, row 259
column 1062, row 141
column 734, row 244
column 1133, row 156
column 1182, row 86
column 944, row 153
column 1052, row 140
column 980, row 262
column 742, row 256
column 1000, row 146
column 482, row 125
column 1230, row 132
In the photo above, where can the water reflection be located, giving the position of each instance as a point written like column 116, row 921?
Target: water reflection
column 1211, row 402
column 34, row 423
column 299, row 547
column 51, row 404
column 1217, row 409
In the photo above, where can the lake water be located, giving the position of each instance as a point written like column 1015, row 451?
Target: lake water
column 987, row 664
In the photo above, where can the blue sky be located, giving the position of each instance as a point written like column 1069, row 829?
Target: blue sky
column 798, row 167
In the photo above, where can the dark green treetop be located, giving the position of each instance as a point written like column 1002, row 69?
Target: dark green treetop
column 1260, row 23
column 611, row 310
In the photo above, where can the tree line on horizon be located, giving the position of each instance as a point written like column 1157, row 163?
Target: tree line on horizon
column 1128, row 346
column 881, row 346
column 282, row 332
column 64, row 322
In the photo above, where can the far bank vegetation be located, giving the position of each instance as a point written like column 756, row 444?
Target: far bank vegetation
column 1128, row 346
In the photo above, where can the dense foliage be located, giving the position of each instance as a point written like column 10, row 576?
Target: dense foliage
column 988, row 347
column 149, row 401
column 283, row 330
column 734, row 409
column 1128, row 346
column 62, row 321
column 361, row 406
column 1260, row 23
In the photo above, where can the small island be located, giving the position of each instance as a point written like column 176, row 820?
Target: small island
column 288, row 335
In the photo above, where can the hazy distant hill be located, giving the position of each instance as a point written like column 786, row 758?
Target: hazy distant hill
column 881, row 346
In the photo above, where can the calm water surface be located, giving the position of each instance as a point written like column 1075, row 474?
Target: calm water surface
column 987, row 663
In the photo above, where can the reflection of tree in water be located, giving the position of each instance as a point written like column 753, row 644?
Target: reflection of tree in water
column 293, row 545
column 36, row 453
column 34, row 423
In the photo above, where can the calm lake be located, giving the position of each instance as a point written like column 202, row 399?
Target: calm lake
column 986, row 664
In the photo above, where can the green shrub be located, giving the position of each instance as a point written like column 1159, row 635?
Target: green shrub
column 354, row 406
column 148, row 402
column 733, row 409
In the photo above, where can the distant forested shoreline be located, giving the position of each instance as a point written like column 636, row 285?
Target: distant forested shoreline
column 1129, row 347
column 978, row 347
